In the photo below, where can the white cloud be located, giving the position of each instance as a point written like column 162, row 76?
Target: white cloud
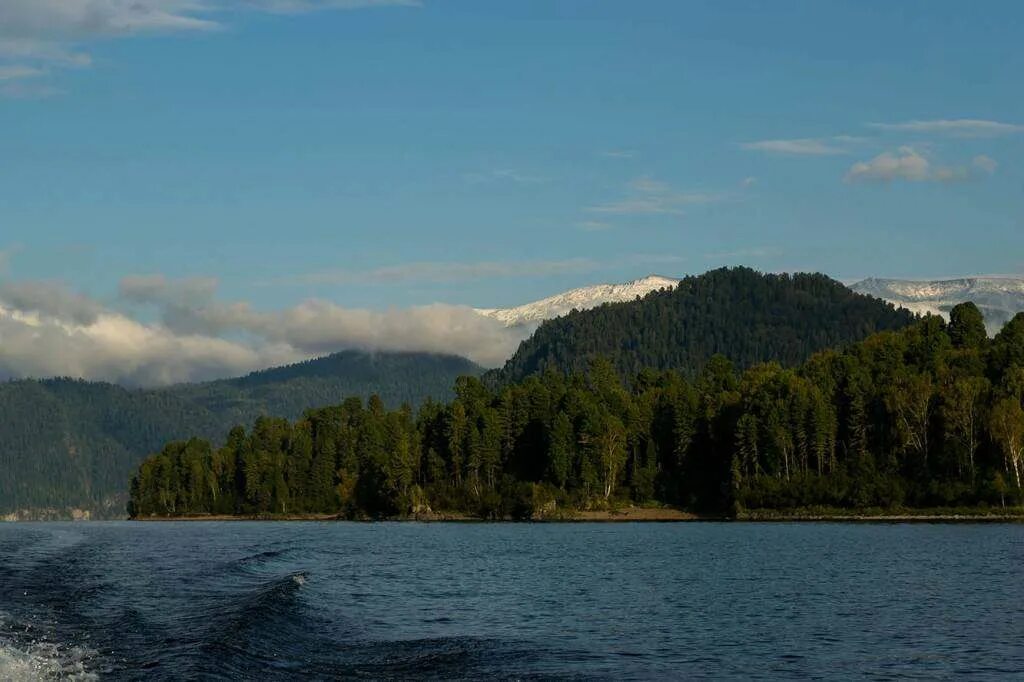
column 804, row 146
column 619, row 154
column 650, row 196
column 48, row 33
column 37, row 36
column 748, row 182
column 909, row 164
column 23, row 90
column 985, row 163
column 906, row 164
column 48, row 330
column 593, row 225
column 40, row 51
column 961, row 127
column 317, row 327
column 17, row 72
column 116, row 348
column 639, row 207
column 76, row 20
column 16, row 82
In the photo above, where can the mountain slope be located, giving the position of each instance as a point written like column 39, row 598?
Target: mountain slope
column 289, row 391
column 72, row 444
column 748, row 316
column 999, row 298
column 583, row 298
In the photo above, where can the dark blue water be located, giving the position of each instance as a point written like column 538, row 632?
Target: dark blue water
column 453, row 601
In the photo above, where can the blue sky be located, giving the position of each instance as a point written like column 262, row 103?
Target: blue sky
column 391, row 154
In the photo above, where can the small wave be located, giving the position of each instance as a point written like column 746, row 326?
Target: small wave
column 273, row 601
column 266, row 633
column 279, row 589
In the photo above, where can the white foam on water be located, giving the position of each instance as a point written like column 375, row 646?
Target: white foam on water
column 42, row 660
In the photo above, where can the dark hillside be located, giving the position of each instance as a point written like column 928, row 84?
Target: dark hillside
column 743, row 314
column 72, row 444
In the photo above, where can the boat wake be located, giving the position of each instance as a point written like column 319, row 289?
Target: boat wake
column 42, row 660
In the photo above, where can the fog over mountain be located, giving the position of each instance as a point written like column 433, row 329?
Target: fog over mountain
column 160, row 331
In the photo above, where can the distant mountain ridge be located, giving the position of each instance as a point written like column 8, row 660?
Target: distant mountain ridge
column 748, row 316
column 582, row 298
column 71, row 444
column 999, row 298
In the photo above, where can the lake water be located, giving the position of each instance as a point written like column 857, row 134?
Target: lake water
column 579, row 601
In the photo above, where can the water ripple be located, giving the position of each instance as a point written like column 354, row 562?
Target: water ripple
column 480, row 601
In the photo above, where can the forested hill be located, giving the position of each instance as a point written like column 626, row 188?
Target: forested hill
column 745, row 315
column 73, row 444
column 927, row 416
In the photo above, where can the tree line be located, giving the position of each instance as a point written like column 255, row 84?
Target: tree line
column 926, row 416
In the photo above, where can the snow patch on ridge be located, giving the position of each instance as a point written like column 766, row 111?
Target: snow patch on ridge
column 998, row 298
column 582, row 298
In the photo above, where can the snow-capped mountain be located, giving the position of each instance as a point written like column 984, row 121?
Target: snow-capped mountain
column 583, row 298
column 999, row 298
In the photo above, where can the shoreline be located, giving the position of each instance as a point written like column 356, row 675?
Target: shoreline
column 887, row 515
column 631, row 514
column 650, row 515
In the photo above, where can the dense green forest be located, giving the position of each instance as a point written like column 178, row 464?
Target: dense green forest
column 71, row 443
column 745, row 315
column 928, row 415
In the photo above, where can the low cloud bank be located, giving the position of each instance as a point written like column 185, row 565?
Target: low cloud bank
column 48, row 330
